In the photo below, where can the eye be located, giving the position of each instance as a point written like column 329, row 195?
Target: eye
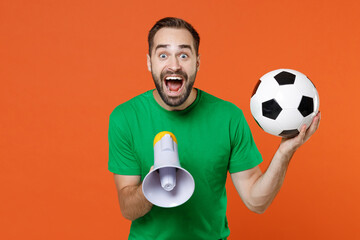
column 162, row 55
column 183, row 55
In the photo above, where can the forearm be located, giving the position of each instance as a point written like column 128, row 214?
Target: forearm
column 133, row 203
column 266, row 187
column 259, row 189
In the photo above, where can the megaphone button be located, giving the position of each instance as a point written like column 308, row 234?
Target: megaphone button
column 167, row 143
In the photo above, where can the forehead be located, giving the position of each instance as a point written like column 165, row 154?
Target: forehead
column 173, row 37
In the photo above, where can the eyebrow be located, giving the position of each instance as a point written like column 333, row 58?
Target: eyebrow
column 185, row 46
column 167, row 45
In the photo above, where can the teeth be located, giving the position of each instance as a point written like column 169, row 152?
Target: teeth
column 174, row 78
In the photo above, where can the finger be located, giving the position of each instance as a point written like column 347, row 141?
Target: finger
column 314, row 126
column 300, row 138
column 316, row 122
column 302, row 133
column 152, row 167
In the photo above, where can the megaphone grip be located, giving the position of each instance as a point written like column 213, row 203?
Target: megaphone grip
column 167, row 178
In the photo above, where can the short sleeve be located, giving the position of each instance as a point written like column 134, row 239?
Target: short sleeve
column 121, row 155
column 244, row 153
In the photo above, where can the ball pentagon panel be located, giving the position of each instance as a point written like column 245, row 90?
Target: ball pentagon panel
column 306, row 106
column 271, row 109
column 285, row 78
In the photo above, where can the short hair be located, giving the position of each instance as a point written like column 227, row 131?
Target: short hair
column 172, row 22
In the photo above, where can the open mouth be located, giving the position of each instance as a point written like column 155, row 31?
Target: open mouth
column 174, row 84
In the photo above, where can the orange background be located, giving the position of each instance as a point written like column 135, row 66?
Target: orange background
column 65, row 65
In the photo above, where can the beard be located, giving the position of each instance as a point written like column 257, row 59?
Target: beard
column 178, row 100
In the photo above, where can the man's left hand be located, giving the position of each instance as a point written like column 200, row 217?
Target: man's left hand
column 290, row 145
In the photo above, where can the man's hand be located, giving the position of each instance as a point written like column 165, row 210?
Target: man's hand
column 258, row 190
column 288, row 146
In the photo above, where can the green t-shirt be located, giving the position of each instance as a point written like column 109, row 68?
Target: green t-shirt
column 213, row 138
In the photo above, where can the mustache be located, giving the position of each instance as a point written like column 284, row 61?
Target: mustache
column 178, row 72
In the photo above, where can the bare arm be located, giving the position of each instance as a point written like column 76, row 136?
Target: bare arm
column 258, row 190
column 133, row 203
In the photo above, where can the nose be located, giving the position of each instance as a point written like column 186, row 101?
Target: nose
column 174, row 64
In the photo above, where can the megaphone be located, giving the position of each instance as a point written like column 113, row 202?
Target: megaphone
column 168, row 184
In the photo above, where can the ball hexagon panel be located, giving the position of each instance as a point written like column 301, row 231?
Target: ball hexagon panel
column 289, row 119
column 255, row 107
column 269, row 125
column 305, row 86
column 288, row 96
column 267, row 90
column 307, row 120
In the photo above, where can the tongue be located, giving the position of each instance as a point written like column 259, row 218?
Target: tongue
column 174, row 85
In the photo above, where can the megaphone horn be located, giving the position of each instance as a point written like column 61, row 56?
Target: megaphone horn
column 168, row 184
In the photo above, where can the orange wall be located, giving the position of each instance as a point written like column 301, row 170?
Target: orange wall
column 64, row 65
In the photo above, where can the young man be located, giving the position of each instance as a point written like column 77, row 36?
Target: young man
column 213, row 138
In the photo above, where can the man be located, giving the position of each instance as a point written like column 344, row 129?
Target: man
column 213, row 138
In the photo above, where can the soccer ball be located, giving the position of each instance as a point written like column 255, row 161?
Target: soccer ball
column 283, row 101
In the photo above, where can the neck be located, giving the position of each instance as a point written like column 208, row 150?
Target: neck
column 183, row 106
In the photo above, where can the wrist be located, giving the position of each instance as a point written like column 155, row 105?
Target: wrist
column 287, row 147
column 147, row 203
column 285, row 154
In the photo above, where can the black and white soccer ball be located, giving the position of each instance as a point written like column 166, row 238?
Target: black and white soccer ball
column 283, row 101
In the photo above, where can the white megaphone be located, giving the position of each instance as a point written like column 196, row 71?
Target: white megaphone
column 168, row 184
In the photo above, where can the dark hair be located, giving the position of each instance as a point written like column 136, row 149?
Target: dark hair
column 172, row 22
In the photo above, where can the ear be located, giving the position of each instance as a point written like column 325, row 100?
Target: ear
column 198, row 63
column 148, row 62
